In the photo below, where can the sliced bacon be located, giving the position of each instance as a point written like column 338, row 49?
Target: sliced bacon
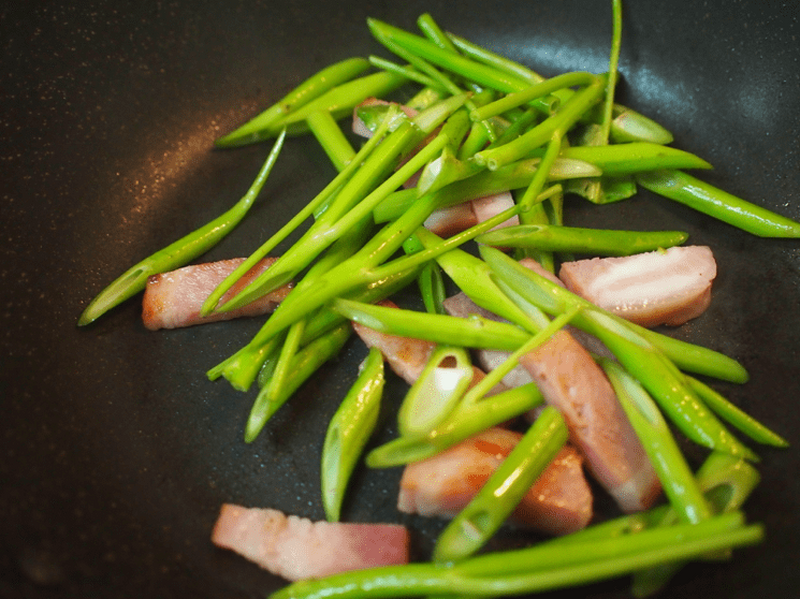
column 651, row 288
column 297, row 548
column 173, row 299
column 572, row 382
column 559, row 502
column 448, row 221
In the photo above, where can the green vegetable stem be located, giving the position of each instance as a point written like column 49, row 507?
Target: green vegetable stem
column 182, row 251
column 348, row 432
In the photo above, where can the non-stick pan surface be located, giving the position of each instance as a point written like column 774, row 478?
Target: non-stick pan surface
column 116, row 452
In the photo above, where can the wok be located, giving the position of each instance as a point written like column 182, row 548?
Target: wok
column 116, row 452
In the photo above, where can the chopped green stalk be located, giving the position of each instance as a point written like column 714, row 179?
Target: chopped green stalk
column 483, row 74
column 527, row 95
column 603, row 242
column 182, row 251
column 324, row 196
column 311, row 88
column 514, row 176
column 408, row 72
column 497, row 61
column 643, row 360
column 348, row 433
column 437, row 391
column 629, row 125
column 330, row 137
column 474, row 332
column 536, row 569
column 719, row 204
column 500, row 495
column 534, row 190
column 613, row 64
column 736, row 417
column 433, row 32
column 464, row 423
column 430, row 281
column 280, row 373
column 305, row 363
column 556, row 125
column 536, row 215
column 339, row 101
column 676, row 477
column 635, row 157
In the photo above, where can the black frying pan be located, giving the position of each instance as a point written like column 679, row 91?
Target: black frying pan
column 115, row 451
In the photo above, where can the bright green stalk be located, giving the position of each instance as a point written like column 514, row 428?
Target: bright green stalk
column 311, row 88
column 464, row 423
column 348, row 433
column 635, row 157
column 430, row 28
column 613, row 64
column 629, row 125
column 719, row 204
column 408, row 72
column 556, row 125
column 324, row 196
column 497, row 61
column 602, row 242
column 437, row 391
column 305, row 363
column 500, row 495
column 676, row 477
column 473, row 332
column 182, row 251
column 527, row 95
column 736, row 417
column 329, row 135
column 537, row 569
column 339, row 101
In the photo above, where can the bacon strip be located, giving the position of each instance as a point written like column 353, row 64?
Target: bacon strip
column 649, row 289
column 559, row 502
column 297, row 548
column 173, row 299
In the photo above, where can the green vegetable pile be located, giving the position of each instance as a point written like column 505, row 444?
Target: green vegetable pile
column 489, row 125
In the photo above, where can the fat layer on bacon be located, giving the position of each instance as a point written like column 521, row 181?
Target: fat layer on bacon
column 663, row 287
column 297, row 548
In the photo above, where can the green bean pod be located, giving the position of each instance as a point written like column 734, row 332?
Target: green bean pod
column 578, row 240
column 719, row 204
column 311, row 88
column 676, row 477
column 348, row 432
column 182, row 251
column 735, row 416
column 635, row 157
column 305, row 363
column 501, row 494
column 474, row 332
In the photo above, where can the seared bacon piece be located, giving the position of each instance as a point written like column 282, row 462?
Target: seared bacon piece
column 572, row 382
column 559, row 502
column 651, row 288
column 173, row 299
column 297, row 548
column 448, row 221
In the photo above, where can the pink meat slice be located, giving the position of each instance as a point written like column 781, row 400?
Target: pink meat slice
column 651, row 288
column 450, row 220
column 173, row 299
column 559, row 502
column 572, row 382
column 297, row 548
